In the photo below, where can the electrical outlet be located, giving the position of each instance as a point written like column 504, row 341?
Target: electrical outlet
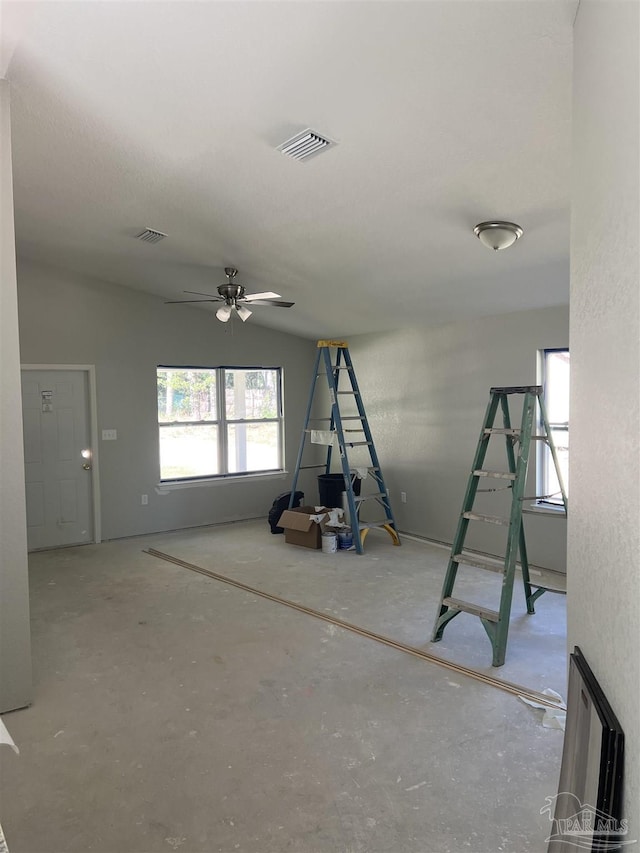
column 144, row 500
column 109, row 434
column 403, row 497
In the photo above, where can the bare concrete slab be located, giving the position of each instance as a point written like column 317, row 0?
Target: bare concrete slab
column 173, row 712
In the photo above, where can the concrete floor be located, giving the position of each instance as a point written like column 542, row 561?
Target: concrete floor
column 173, row 712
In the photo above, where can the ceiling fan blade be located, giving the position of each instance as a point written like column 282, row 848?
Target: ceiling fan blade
column 197, row 293
column 272, row 302
column 184, row 301
column 266, row 295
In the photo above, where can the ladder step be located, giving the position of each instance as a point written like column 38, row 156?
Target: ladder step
column 498, row 475
column 502, row 431
column 479, row 562
column 343, row 418
column 353, row 393
column 359, row 498
column 490, row 519
column 369, row 525
column 517, row 389
column 357, row 443
column 474, row 609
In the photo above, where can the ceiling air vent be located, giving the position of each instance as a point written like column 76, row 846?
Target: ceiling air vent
column 150, row 236
column 305, row 144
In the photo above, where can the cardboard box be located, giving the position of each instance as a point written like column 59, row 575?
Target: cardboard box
column 300, row 528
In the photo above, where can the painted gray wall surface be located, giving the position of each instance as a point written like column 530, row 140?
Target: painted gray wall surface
column 426, row 392
column 603, row 541
column 69, row 319
column 15, row 640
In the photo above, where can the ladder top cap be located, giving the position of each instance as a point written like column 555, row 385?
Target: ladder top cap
column 518, row 389
column 332, row 344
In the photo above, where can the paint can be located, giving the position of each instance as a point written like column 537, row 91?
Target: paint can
column 345, row 539
column 329, row 543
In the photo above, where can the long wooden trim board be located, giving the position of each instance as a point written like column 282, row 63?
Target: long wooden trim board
column 477, row 675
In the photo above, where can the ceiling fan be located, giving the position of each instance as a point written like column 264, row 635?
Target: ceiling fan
column 234, row 298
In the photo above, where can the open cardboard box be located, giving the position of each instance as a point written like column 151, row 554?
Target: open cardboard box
column 300, row 527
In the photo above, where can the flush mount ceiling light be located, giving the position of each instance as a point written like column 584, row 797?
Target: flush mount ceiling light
column 497, row 235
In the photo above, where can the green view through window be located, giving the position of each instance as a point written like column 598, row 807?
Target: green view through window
column 219, row 421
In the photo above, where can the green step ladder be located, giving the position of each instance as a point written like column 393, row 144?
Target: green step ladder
column 334, row 370
column 496, row 622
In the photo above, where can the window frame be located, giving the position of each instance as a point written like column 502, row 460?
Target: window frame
column 544, row 459
column 222, row 422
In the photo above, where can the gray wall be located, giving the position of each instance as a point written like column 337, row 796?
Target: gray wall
column 15, row 643
column 604, row 540
column 426, row 391
column 69, row 319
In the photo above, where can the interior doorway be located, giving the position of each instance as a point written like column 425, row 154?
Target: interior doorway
column 58, row 409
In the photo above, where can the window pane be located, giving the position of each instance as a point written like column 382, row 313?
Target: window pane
column 253, row 447
column 556, row 398
column 251, row 394
column 186, row 395
column 556, row 392
column 188, row 451
column 561, row 441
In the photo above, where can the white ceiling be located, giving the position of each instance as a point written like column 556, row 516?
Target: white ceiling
column 168, row 115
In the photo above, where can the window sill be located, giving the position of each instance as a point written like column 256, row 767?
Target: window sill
column 546, row 509
column 165, row 488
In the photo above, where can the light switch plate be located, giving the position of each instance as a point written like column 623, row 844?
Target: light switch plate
column 109, row 434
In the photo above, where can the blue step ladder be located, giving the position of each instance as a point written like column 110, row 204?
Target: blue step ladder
column 333, row 371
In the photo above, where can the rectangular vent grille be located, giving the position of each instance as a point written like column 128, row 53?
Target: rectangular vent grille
column 305, row 144
column 150, row 236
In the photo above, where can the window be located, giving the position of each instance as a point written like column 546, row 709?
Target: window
column 217, row 422
column 555, row 379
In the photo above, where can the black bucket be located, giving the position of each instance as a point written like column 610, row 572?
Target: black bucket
column 331, row 487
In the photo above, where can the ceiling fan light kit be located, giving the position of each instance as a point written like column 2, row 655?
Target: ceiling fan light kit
column 498, row 234
column 224, row 313
column 234, row 299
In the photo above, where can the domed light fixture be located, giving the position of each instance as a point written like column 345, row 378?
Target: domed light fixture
column 497, row 235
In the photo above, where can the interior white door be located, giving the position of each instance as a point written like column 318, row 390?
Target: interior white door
column 55, row 407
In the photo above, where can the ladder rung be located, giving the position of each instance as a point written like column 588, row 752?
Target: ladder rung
column 347, row 392
column 517, row 389
column 479, row 562
column 498, row 475
column 343, row 418
column 357, row 443
column 490, row 519
column 341, row 367
column 359, row 499
column 308, row 467
column 367, row 525
column 502, row 431
column 475, row 609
